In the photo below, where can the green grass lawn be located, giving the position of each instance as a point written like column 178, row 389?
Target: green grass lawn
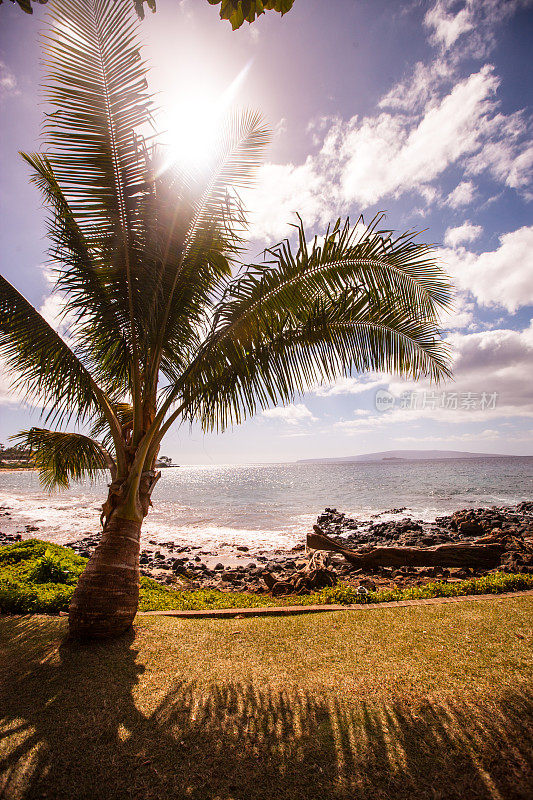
column 421, row 702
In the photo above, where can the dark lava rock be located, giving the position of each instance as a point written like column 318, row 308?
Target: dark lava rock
column 230, row 576
column 470, row 528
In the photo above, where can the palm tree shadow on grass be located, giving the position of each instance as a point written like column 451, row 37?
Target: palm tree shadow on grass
column 75, row 727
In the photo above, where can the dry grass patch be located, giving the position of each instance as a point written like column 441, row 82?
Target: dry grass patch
column 422, row 702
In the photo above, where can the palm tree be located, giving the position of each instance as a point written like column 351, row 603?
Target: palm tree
column 164, row 325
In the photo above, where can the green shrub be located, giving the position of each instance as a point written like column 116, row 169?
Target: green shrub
column 37, row 577
column 50, row 569
column 22, row 551
column 23, row 598
column 495, row 583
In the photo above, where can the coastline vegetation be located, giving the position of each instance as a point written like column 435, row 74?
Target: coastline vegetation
column 14, row 457
column 38, row 577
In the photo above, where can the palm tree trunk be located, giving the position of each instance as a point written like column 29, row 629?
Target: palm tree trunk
column 106, row 598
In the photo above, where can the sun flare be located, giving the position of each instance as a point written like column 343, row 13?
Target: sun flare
column 191, row 123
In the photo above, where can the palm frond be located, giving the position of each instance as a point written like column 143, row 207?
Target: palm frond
column 335, row 336
column 63, row 457
column 100, row 428
column 43, row 364
column 99, row 323
column 97, row 85
column 380, row 265
column 98, row 88
column 193, row 264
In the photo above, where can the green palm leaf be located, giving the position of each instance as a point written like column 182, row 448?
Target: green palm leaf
column 100, row 324
column 43, row 365
column 97, row 84
column 64, row 457
column 364, row 300
column 284, row 355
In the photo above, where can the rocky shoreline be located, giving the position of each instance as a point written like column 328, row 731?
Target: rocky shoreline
column 280, row 571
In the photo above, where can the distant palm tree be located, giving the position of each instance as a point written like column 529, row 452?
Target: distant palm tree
column 164, row 325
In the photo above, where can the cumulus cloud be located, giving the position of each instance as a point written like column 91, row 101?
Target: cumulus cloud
column 363, row 160
column 490, row 362
column 500, row 277
column 463, row 233
column 7, row 395
column 292, row 414
column 419, row 87
column 462, row 195
column 521, row 171
column 461, row 314
column 488, row 384
column 388, row 155
column 506, row 154
column 284, row 189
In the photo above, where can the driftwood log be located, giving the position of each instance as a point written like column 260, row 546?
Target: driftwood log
column 477, row 556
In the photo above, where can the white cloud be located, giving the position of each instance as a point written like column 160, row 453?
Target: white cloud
column 389, row 155
column 363, row 160
column 422, row 85
column 505, row 154
column 496, row 361
column 446, row 27
column 282, row 190
column 462, row 195
column 521, row 170
column 491, row 363
column 8, row 82
column 501, row 277
column 292, row 414
column 461, row 315
column 52, row 311
column 7, row 395
column 463, row 233
column 347, row 386
column 468, row 28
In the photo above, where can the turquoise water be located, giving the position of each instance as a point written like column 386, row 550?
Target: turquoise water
column 266, row 505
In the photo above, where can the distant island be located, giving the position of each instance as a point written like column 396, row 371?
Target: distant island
column 406, row 455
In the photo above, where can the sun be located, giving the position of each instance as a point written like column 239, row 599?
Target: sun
column 191, row 122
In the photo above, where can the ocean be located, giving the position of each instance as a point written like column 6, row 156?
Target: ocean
column 265, row 506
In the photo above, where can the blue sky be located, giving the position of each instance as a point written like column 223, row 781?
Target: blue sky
column 419, row 109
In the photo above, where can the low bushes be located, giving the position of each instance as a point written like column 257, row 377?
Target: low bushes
column 39, row 577
column 494, row 583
